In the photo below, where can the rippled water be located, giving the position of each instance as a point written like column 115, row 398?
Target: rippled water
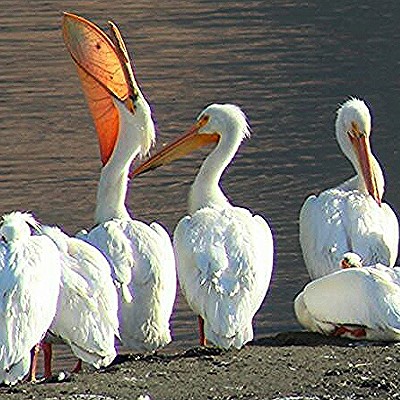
column 288, row 64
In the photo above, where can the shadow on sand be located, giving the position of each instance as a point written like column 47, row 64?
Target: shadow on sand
column 312, row 339
column 282, row 339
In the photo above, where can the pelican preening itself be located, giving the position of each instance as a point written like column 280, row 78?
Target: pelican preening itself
column 352, row 216
column 355, row 302
column 30, row 271
column 224, row 253
column 141, row 256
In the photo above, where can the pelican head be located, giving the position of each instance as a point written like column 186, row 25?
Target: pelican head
column 350, row 260
column 223, row 119
column 139, row 120
column 353, row 129
column 354, row 115
column 17, row 225
column 223, row 124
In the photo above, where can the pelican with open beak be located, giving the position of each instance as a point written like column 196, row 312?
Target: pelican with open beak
column 141, row 255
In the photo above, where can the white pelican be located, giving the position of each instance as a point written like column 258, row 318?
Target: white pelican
column 357, row 303
column 87, row 310
column 352, row 216
column 29, row 285
column 141, row 255
column 224, row 253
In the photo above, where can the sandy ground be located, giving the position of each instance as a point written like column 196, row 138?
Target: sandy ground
column 295, row 365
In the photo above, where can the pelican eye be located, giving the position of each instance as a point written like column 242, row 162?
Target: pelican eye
column 355, row 131
column 203, row 120
column 130, row 103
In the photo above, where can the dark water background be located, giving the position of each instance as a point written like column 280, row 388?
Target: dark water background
column 288, row 64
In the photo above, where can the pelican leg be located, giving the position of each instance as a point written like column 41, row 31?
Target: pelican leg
column 47, row 355
column 203, row 341
column 356, row 332
column 78, row 367
column 34, row 357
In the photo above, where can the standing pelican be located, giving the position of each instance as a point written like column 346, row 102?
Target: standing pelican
column 29, row 285
column 141, row 256
column 87, row 310
column 224, row 253
column 352, row 216
column 355, row 302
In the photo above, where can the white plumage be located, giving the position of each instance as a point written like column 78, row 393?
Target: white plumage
column 87, row 309
column 141, row 256
column 144, row 272
column 224, row 260
column 358, row 303
column 29, row 285
column 352, row 216
column 224, row 253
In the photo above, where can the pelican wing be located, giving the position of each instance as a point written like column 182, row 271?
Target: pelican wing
column 168, row 278
column 146, row 321
column 339, row 221
column 323, row 238
column 110, row 239
column 391, row 229
column 224, row 262
column 87, row 311
column 143, row 259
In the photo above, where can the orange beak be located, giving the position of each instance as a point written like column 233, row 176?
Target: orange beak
column 105, row 72
column 190, row 141
column 363, row 151
column 344, row 264
column 104, row 113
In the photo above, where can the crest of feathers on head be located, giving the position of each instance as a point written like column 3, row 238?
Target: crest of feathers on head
column 150, row 137
column 229, row 114
column 243, row 120
column 150, row 140
column 351, row 101
column 247, row 128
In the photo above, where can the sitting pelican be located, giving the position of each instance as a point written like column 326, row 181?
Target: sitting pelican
column 350, row 217
column 355, row 302
column 224, row 253
column 141, row 256
column 30, row 271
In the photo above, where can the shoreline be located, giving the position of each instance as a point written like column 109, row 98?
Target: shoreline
column 289, row 365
